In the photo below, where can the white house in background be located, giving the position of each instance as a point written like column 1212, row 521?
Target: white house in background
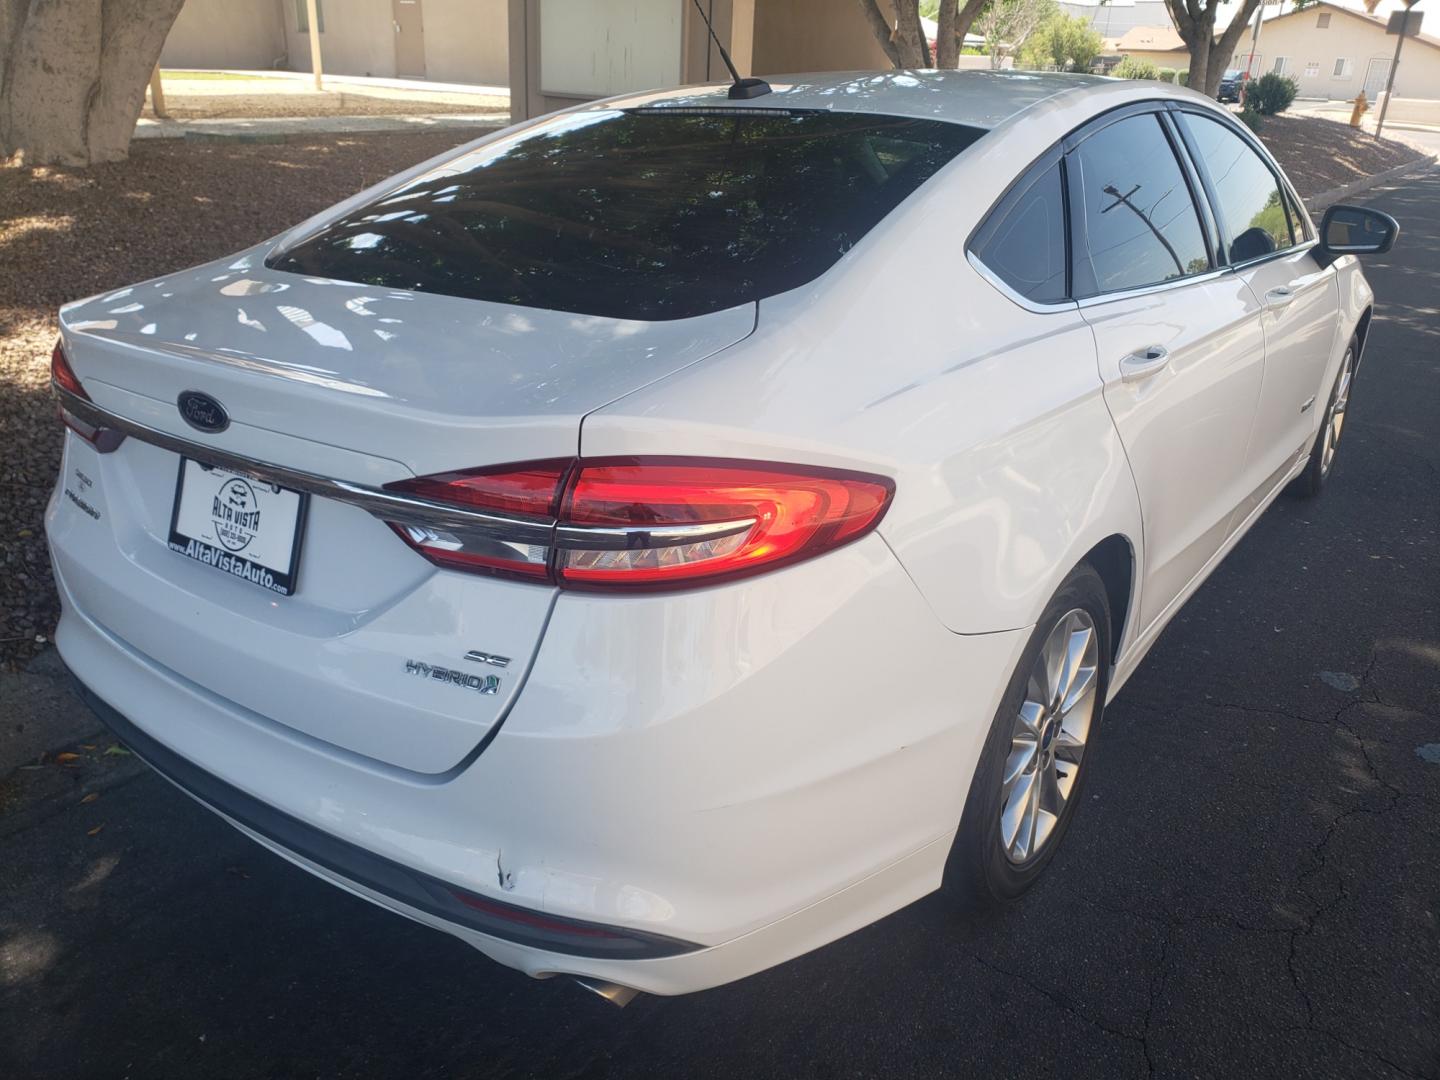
column 1336, row 52
column 462, row 41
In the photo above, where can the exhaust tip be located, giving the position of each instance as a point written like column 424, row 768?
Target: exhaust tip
column 617, row 995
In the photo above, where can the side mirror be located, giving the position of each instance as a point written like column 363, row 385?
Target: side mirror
column 1357, row 230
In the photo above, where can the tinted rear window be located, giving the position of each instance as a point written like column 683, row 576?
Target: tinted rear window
column 638, row 215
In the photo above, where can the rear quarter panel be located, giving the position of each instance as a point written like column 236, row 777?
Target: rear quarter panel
column 903, row 360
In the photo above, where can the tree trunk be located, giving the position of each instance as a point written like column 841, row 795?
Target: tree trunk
column 73, row 76
column 910, row 33
column 964, row 19
column 947, row 42
column 880, row 27
column 1195, row 22
column 1224, row 49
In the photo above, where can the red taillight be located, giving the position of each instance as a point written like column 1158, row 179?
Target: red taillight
column 641, row 523
column 681, row 522
column 63, row 374
column 518, row 544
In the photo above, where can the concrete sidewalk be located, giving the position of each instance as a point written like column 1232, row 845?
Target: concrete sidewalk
column 285, row 128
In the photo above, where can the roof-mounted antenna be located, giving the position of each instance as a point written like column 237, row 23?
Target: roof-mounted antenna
column 740, row 88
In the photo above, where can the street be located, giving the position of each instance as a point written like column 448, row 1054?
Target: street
column 1251, row 890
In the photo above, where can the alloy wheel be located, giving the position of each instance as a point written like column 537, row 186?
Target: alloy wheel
column 1048, row 740
column 1335, row 418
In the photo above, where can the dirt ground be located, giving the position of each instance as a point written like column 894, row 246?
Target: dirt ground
column 69, row 233
column 1320, row 155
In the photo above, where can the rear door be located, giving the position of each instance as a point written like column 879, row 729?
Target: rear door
column 1180, row 347
column 1267, row 241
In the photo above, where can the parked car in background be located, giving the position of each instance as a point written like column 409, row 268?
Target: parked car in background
column 1231, row 83
column 576, row 543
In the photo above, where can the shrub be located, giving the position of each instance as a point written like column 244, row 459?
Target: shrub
column 1182, row 78
column 1062, row 42
column 1168, row 75
column 1250, row 118
column 1271, row 93
column 1130, row 68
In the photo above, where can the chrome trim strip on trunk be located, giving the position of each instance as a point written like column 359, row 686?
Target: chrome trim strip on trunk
column 400, row 509
column 386, row 505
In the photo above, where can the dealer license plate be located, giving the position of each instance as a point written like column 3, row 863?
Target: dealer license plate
column 240, row 525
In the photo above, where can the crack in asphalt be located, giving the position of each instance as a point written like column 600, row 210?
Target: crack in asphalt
column 1366, row 693
column 1064, row 1003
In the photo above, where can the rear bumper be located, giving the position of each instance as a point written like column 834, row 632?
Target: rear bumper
column 732, row 777
column 398, row 886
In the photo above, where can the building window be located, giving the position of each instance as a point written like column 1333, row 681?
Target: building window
column 1343, row 68
column 1322, row 22
column 1312, row 69
column 302, row 16
column 1282, row 65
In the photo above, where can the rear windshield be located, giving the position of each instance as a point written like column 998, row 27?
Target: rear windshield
column 647, row 214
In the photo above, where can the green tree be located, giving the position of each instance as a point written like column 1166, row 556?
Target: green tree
column 1007, row 24
column 1131, row 68
column 1064, row 42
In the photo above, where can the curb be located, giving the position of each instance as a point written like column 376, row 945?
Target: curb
column 1325, row 198
column 298, row 129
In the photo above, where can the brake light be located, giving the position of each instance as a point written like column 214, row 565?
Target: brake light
column 63, row 374
column 515, row 543
column 640, row 523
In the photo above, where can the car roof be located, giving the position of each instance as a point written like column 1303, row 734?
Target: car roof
column 980, row 99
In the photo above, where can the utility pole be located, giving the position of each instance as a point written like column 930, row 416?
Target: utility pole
column 1400, row 23
column 311, row 9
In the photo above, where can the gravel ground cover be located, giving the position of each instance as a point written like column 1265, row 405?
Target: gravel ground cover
column 1320, row 155
column 69, row 233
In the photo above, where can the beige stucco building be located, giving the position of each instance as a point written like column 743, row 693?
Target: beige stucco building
column 1334, row 52
column 1161, row 45
column 1331, row 51
column 463, row 41
column 562, row 52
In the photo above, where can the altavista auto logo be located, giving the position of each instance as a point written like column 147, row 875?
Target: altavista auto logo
column 236, row 513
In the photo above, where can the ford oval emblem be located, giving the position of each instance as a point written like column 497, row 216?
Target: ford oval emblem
column 202, row 412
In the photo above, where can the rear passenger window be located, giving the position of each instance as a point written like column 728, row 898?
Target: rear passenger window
column 1023, row 242
column 1253, row 215
column 1138, row 224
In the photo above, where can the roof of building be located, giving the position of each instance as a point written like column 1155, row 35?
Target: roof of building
column 1146, row 39
column 975, row 98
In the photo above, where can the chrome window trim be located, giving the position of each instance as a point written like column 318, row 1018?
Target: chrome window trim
column 1268, row 256
column 1014, row 297
column 1161, row 286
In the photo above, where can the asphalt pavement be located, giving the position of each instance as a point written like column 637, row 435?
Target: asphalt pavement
column 1252, row 890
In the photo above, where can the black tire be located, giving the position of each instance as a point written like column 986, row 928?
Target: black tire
column 978, row 873
column 1310, row 482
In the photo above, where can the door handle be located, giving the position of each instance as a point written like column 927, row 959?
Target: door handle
column 1143, row 363
column 1280, row 296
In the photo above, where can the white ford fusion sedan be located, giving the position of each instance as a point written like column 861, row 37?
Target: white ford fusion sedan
column 658, row 539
